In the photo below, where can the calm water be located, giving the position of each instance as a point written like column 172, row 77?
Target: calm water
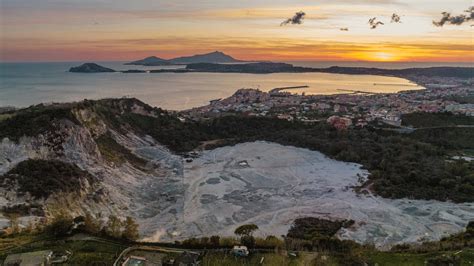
column 24, row 84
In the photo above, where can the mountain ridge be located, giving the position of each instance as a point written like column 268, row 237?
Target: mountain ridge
column 212, row 57
column 150, row 61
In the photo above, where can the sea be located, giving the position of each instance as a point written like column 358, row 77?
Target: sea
column 25, row 84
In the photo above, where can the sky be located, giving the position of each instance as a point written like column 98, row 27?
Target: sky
column 122, row 30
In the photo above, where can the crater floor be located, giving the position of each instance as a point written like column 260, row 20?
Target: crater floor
column 271, row 185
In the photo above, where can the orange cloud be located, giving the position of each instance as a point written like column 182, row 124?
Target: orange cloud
column 282, row 49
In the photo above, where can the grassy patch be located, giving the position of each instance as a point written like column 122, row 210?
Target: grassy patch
column 90, row 252
column 407, row 259
column 5, row 116
column 221, row 258
column 85, row 252
column 468, row 152
column 116, row 153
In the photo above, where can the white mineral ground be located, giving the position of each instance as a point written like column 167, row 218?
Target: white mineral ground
column 271, row 185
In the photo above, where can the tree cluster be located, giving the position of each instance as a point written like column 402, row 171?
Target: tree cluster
column 63, row 224
column 41, row 178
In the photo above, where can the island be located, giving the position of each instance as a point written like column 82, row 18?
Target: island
column 90, row 68
column 150, row 61
column 214, row 57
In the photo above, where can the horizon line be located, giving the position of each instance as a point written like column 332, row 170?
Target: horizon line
column 254, row 60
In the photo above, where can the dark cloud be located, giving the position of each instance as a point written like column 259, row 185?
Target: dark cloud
column 296, row 19
column 449, row 19
column 374, row 23
column 344, row 29
column 396, row 18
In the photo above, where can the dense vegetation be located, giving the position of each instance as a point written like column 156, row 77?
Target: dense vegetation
column 311, row 227
column 41, row 178
column 315, row 234
column 34, row 121
column 436, row 120
column 464, row 99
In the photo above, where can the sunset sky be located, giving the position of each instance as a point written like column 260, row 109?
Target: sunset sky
column 102, row 30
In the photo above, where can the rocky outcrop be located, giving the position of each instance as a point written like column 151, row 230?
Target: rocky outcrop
column 120, row 187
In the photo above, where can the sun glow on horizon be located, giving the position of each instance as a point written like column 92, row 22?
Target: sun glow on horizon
column 384, row 56
column 388, row 55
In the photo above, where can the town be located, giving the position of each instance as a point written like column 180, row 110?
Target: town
column 357, row 108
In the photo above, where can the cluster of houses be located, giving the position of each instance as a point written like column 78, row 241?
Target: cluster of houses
column 359, row 108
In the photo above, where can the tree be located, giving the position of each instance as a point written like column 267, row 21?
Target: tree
column 113, row 227
column 215, row 241
column 248, row 241
column 29, row 227
column 246, row 230
column 60, row 225
column 14, row 224
column 130, row 229
column 91, row 224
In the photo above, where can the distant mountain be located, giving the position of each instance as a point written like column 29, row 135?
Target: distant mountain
column 90, row 68
column 214, row 57
column 150, row 61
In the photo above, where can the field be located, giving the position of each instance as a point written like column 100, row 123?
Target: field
column 85, row 252
column 219, row 258
column 99, row 251
column 407, row 259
